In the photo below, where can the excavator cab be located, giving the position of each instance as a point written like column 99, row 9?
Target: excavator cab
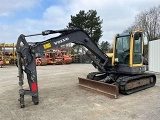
column 129, row 73
column 127, row 53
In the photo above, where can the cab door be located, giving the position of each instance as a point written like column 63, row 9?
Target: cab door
column 137, row 49
column 122, row 50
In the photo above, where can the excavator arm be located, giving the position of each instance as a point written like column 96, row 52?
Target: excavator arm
column 26, row 56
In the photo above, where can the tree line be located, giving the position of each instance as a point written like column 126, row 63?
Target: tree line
column 92, row 24
column 147, row 20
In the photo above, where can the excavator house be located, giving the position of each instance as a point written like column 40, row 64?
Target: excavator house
column 123, row 72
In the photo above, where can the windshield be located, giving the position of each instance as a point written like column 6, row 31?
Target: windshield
column 122, row 49
column 123, row 43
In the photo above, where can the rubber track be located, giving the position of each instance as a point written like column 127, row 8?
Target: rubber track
column 125, row 79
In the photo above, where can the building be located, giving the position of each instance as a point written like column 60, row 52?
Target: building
column 154, row 56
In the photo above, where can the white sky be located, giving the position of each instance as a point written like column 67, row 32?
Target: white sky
column 33, row 16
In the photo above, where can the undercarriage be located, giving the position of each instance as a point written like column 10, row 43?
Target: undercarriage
column 113, row 84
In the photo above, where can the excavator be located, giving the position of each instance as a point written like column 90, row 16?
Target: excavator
column 123, row 72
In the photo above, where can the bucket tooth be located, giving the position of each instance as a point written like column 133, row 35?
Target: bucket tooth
column 108, row 90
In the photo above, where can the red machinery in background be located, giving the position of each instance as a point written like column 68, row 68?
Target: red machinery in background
column 50, row 57
column 62, row 54
column 1, row 63
column 57, row 57
column 40, row 59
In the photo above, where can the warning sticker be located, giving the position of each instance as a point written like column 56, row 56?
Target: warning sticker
column 47, row 45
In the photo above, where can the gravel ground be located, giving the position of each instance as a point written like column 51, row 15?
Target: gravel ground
column 62, row 99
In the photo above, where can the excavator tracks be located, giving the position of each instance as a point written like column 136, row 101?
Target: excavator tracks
column 124, row 84
column 132, row 84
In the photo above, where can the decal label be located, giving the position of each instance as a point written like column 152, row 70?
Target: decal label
column 61, row 41
column 47, row 45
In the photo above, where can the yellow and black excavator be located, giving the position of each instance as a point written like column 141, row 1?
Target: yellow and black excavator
column 123, row 72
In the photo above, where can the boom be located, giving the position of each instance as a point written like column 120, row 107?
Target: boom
column 26, row 56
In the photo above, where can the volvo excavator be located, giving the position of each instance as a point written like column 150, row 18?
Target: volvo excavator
column 121, row 73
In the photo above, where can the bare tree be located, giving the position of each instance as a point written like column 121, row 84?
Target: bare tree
column 149, row 21
column 133, row 27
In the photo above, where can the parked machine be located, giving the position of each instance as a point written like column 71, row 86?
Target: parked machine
column 121, row 73
column 63, row 57
column 1, row 63
column 50, row 56
column 57, row 57
column 8, row 53
column 41, row 60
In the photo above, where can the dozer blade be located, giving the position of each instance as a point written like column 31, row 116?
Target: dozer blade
column 108, row 90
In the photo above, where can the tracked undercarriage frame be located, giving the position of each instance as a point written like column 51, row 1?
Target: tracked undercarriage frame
column 112, row 85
